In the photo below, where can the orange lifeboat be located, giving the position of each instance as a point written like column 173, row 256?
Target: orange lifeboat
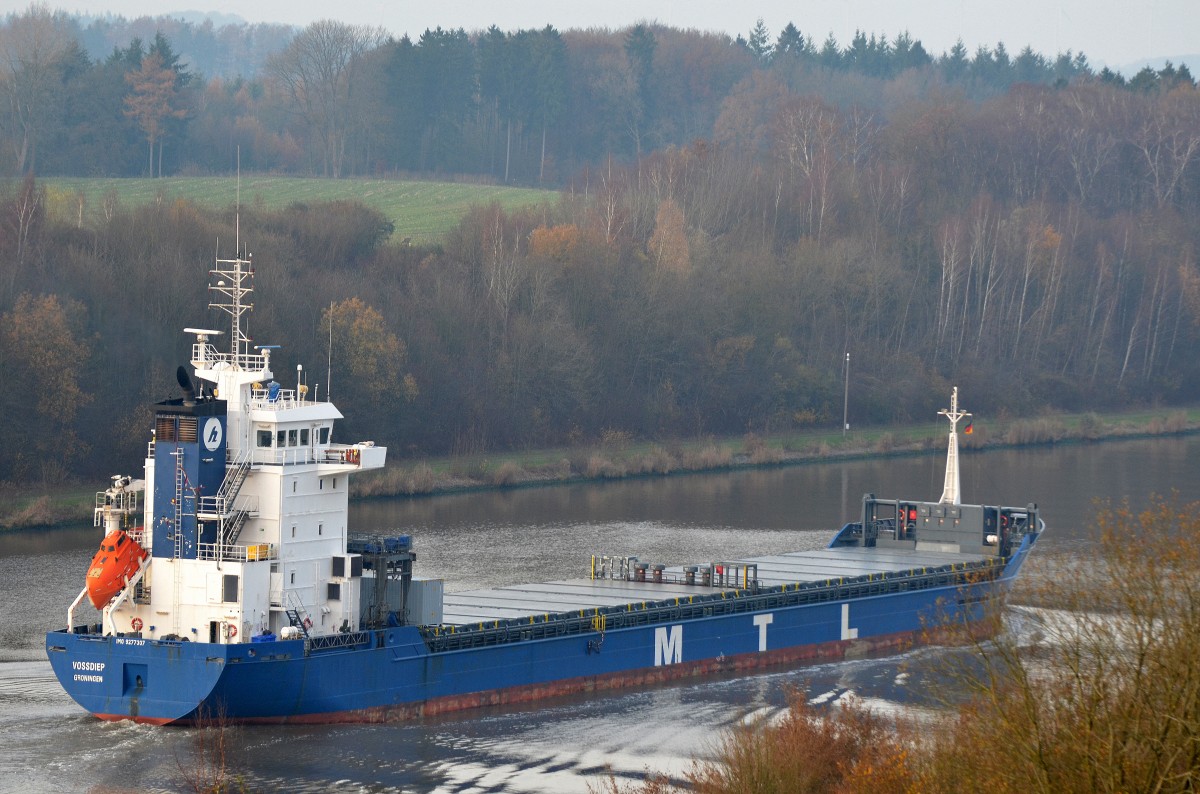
column 117, row 560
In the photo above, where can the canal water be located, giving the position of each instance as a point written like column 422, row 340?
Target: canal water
column 48, row 744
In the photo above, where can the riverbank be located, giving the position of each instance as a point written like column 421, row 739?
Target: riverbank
column 618, row 456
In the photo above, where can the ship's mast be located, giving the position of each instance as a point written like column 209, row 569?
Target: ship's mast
column 240, row 275
column 951, row 493
column 234, row 283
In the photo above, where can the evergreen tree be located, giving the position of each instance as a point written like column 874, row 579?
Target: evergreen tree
column 640, row 45
column 831, row 54
column 405, row 111
column 1029, row 67
column 1112, row 78
column 791, row 44
column 908, row 53
column 446, row 72
column 1145, row 81
column 954, row 64
column 549, row 61
column 759, row 43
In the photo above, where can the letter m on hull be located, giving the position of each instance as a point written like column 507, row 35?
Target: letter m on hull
column 668, row 645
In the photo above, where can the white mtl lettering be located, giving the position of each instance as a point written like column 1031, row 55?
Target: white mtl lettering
column 847, row 632
column 668, row 648
column 762, row 621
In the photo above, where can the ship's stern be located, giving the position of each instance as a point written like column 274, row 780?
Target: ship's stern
column 130, row 678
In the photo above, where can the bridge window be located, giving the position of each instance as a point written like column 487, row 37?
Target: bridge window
column 292, row 435
column 264, row 438
column 304, row 436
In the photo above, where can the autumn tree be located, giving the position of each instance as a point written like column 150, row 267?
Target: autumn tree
column 42, row 353
column 152, row 101
column 370, row 361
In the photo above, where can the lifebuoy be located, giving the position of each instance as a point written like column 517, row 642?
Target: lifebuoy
column 136, row 623
column 308, row 623
column 232, row 630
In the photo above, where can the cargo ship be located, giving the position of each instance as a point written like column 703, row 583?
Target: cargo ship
column 230, row 587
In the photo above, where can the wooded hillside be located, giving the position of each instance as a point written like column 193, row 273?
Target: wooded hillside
column 526, row 106
column 1032, row 244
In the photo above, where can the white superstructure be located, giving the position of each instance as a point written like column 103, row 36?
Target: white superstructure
column 246, row 515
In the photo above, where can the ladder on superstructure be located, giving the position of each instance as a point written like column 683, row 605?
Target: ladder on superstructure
column 180, row 481
column 177, row 529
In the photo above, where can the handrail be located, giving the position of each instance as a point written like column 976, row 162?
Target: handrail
column 249, row 552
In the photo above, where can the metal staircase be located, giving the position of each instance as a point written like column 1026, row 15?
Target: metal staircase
column 221, row 507
column 297, row 621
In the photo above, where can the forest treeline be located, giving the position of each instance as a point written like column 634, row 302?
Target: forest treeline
column 1037, row 249
column 1034, row 245
column 113, row 97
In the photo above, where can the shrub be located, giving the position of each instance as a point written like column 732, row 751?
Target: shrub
column 1176, row 422
column 848, row 749
column 765, row 454
column 507, row 473
column 36, row 513
column 1091, row 427
column 419, row 480
column 752, row 444
column 599, row 466
column 656, row 461
column 709, row 457
column 1036, row 431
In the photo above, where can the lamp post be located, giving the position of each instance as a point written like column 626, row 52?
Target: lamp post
column 846, row 399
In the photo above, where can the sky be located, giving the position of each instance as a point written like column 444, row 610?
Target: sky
column 1111, row 33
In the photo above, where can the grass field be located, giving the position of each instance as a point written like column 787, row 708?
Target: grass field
column 423, row 211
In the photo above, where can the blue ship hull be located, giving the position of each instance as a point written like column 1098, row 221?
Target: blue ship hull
column 399, row 672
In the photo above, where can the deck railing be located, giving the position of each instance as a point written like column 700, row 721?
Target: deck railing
column 498, row 632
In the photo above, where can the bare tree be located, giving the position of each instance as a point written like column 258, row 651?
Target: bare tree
column 32, row 48
column 318, row 74
column 1168, row 140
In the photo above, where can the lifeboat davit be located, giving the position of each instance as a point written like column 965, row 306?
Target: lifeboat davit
column 116, row 561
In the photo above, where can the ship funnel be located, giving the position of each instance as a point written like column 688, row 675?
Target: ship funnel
column 185, row 383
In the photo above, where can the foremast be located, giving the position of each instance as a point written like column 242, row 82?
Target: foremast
column 951, row 494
